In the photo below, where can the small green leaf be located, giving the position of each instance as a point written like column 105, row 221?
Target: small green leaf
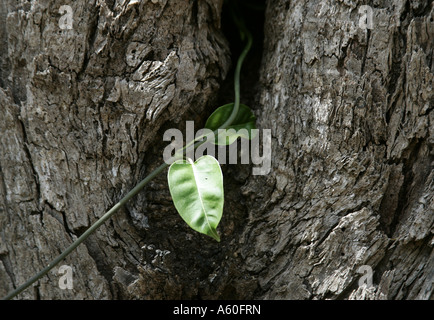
column 242, row 125
column 197, row 192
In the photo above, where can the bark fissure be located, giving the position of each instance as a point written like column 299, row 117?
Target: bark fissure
column 91, row 37
column 35, row 175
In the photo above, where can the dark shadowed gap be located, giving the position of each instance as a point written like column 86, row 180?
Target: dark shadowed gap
column 253, row 14
column 235, row 212
column 205, row 258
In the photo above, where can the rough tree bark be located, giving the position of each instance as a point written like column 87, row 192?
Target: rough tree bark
column 83, row 111
column 352, row 178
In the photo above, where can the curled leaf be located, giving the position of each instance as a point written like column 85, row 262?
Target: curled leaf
column 242, row 126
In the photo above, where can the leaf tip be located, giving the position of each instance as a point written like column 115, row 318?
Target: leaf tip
column 213, row 234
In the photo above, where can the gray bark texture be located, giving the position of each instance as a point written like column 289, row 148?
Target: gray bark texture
column 349, row 102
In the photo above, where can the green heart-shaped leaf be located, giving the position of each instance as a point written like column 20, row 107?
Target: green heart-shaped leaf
column 197, row 192
column 242, row 125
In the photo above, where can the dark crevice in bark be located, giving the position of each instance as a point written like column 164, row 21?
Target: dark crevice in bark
column 254, row 20
column 405, row 194
column 194, row 12
column 389, row 203
column 208, row 258
column 235, row 214
column 102, row 265
column 18, row 89
column 3, row 190
column 399, row 46
column 59, row 216
column 36, row 292
column 65, row 224
column 29, row 158
column 93, row 31
column 421, row 8
column 341, row 60
column 396, row 69
column 365, row 55
column 399, row 194
column 353, row 285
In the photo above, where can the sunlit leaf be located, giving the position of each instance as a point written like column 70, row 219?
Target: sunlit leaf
column 197, row 193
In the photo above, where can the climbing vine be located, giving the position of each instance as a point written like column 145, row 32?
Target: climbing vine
column 196, row 187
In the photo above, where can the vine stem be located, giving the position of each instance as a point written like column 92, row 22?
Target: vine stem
column 194, row 144
column 243, row 32
column 88, row 232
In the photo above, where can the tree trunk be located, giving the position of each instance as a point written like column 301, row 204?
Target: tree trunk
column 346, row 211
column 350, row 108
